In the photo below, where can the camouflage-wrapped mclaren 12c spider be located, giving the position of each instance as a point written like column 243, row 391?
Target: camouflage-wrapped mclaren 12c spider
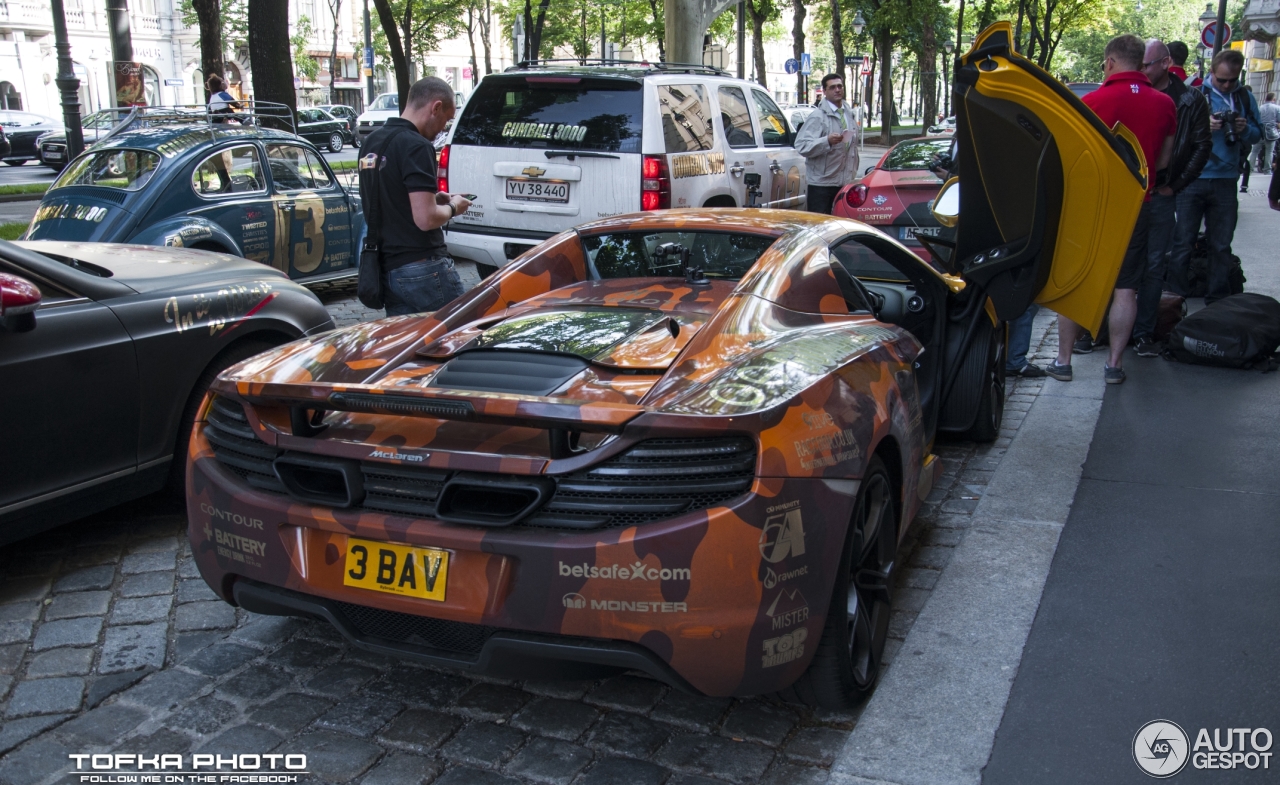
column 685, row 442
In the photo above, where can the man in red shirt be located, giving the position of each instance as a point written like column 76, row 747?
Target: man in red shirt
column 1126, row 96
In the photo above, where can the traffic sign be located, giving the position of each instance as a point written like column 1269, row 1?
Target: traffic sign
column 1210, row 32
column 806, row 63
column 368, row 57
column 791, row 66
column 852, row 59
column 866, row 64
column 170, row 82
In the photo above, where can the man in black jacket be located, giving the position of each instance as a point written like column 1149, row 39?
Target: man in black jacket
column 1192, row 145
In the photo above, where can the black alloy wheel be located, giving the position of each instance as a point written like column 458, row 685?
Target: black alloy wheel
column 847, row 663
column 869, row 591
column 335, row 142
column 986, row 426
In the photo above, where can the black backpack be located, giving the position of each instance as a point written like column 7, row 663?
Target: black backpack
column 1240, row 331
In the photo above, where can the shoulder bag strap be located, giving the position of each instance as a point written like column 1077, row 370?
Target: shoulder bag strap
column 373, row 205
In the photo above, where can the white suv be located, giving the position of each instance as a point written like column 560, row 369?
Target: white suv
column 546, row 148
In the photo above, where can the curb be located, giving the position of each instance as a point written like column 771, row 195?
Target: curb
column 21, row 197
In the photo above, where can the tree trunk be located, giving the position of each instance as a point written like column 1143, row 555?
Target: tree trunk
column 209, row 16
column 659, row 30
column 271, row 55
column 486, row 28
column 929, row 75
column 757, row 42
column 399, row 62
column 797, row 46
column 471, row 40
column 335, row 6
column 870, row 81
column 837, row 44
column 886, row 88
column 406, row 39
column 535, row 36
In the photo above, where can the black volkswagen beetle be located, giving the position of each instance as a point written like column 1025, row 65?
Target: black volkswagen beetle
column 106, row 351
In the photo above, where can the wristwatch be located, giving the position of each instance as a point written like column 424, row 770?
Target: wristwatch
column 453, row 211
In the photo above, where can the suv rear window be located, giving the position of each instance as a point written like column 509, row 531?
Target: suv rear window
column 554, row 112
column 631, row 254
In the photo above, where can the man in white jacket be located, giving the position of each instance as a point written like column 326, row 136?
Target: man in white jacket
column 829, row 142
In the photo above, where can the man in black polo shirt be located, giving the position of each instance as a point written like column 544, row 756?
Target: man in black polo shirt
column 417, row 272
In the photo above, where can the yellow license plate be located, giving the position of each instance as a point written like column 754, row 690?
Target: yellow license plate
column 398, row 569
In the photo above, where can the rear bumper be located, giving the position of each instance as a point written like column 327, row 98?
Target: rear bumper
column 492, row 247
column 691, row 600
column 504, row 654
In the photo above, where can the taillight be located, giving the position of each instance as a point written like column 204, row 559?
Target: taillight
column 655, row 183
column 442, row 171
column 855, row 196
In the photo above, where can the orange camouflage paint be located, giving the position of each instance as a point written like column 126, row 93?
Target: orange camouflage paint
column 775, row 362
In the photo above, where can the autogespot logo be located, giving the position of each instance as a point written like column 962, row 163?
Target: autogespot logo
column 1160, row 748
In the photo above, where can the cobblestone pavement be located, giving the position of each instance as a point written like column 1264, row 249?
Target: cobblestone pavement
column 110, row 642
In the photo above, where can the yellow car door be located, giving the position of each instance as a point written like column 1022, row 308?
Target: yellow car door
column 1049, row 195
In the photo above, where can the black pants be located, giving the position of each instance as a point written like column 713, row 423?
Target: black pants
column 820, row 198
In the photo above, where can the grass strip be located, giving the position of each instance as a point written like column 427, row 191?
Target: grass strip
column 11, row 231
column 24, row 188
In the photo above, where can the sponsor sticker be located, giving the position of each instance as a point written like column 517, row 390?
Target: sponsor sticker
column 772, row 579
column 788, row 609
column 784, row 648
column 616, row 572
column 559, row 132
column 575, row 601
column 783, row 533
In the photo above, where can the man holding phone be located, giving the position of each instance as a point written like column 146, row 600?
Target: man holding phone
column 417, row 272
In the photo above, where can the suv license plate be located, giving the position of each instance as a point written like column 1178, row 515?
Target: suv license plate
column 524, row 190
column 397, row 569
column 912, row 232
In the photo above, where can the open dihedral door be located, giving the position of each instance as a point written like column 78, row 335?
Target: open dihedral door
column 1049, row 195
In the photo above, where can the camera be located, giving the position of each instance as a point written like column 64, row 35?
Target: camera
column 1228, row 120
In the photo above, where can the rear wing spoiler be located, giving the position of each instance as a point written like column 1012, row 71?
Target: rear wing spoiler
column 554, row 414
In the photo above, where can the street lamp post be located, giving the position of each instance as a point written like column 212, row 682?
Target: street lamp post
column 67, row 83
column 1205, row 18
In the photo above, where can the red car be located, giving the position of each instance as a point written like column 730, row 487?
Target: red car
column 895, row 193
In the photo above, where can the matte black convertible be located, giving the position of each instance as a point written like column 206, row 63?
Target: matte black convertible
column 105, row 354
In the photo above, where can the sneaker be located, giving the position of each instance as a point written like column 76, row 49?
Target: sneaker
column 1060, row 372
column 1083, row 345
column 1147, row 348
column 1113, row 375
column 1028, row 371
column 1244, row 189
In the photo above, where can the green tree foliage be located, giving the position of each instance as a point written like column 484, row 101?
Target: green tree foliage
column 304, row 64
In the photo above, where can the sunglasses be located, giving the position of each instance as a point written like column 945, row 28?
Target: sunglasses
column 1225, row 82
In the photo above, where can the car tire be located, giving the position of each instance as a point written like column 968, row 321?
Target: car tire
column 986, row 426
column 846, row 663
column 335, row 142
column 176, row 485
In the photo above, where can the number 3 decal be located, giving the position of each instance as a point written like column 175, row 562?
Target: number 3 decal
column 309, row 251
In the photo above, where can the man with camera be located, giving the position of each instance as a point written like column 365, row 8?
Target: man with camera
column 1233, row 121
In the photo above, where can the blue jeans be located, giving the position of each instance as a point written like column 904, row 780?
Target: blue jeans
column 1213, row 199
column 421, row 286
column 1160, row 232
column 1020, row 339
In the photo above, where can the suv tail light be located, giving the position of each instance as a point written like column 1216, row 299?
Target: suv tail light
column 855, row 196
column 442, row 171
column 655, row 183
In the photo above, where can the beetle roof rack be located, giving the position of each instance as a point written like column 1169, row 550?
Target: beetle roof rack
column 252, row 113
column 645, row 65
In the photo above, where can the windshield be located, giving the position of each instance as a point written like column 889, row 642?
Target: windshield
column 916, row 155
column 631, row 254
column 384, row 102
column 127, row 169
column 557, row 112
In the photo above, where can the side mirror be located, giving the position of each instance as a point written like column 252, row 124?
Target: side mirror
column 867, row 171
column 19, row 299
column 946, row 206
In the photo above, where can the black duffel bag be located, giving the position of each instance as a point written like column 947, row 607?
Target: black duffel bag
column 1239, row 331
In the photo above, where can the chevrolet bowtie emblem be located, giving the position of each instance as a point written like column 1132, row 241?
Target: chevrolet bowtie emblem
column 534, row 171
